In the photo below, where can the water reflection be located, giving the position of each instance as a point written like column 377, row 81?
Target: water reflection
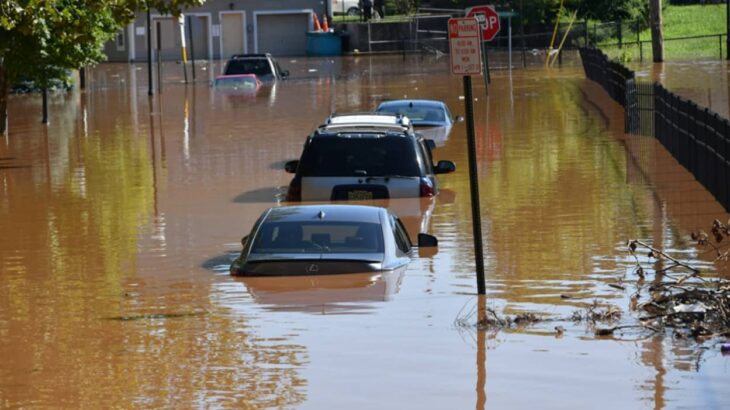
column 132, row 207
column 325, row 295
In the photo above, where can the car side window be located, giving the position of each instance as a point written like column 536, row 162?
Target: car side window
column 427, row 156
column 401, row 238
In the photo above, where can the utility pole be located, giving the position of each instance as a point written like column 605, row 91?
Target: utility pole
column 727, row 29
column 657, row 36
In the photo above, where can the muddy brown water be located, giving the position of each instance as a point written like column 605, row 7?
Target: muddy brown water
column 704, row 82
column 119, row 221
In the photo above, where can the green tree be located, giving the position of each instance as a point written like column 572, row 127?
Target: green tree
column 41, row 39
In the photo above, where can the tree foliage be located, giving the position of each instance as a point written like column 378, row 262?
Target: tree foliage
column 42, row 39
column 541, row 12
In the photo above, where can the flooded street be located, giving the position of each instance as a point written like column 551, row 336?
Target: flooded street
column 122, row 217
column 705, row 82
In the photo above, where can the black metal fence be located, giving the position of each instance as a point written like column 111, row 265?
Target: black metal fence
column 698, row 138
column 612, row 76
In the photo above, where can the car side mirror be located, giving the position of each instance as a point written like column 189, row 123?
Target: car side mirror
column 459, row 118
column 431, row 143
column 444, row 167
column 291, row 166
column 425, row 240
column 285, row 73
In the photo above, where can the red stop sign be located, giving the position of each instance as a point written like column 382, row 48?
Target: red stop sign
column 488, row 20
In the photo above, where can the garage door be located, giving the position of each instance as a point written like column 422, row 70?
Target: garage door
column 282, row 34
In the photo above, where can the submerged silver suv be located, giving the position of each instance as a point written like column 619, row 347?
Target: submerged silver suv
column 365, row 156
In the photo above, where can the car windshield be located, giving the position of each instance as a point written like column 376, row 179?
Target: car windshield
column 343, row 156
column 417, row 114
column 258, row 66
column 318, row 237
column 235, row 83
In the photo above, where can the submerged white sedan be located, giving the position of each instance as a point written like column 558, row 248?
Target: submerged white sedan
column 432, row 118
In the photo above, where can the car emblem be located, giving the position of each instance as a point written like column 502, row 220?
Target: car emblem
column 312, row 268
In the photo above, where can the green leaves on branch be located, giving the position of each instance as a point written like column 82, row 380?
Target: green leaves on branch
column 41, row 39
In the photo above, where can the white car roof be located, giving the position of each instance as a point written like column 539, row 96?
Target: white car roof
column 396, row 122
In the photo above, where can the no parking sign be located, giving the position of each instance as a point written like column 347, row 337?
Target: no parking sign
column 464, row 46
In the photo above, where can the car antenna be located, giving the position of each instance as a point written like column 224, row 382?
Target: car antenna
column 320, row 215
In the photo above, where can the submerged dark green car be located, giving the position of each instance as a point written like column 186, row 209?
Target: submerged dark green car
column 325, row 240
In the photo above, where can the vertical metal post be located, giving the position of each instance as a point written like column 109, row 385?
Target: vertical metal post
column 159, row 58
column 620, row 34
column 476, row 214
column 727, row 29
column 487, row 76
column 45, row 104
column 184, row 50
column 509, row 40
column 82, row 78
column 585, row 26
column 150, row 90
column 719, row 38
column 641, row 52
column 522, row 33
column 369, row 39
column 192, row 50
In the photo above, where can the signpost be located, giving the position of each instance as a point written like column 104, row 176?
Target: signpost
column 489, row 24
column 465, row 58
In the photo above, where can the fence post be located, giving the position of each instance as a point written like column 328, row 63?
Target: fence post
column 641, row 51
column 719, row 38
column 585, row 25
column 619, row 33
column 370, row 48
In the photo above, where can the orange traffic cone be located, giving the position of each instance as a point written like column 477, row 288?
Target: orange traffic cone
column 316, row 22
column 325, row 25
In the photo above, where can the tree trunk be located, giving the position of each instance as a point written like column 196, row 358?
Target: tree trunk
column 657, row 36
column 4, row 91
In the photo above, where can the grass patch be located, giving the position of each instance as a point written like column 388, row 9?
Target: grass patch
column 679, row 22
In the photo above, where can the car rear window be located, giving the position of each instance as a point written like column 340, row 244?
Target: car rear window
column 318, row 237
column 416, row 113
column 343, row 156
column 258, row 66
column 246, row 83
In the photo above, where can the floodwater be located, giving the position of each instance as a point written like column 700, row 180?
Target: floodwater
column 119, row 221
column 705, row 82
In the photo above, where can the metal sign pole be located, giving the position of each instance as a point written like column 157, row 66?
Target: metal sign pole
column 476, row 214
column 159, row 57
column 465, row 43
column 150, row 90
column 192, row 50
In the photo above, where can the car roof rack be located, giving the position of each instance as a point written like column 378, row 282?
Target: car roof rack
column 396, row 122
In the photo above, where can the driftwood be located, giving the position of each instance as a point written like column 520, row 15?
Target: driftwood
column 677, row 297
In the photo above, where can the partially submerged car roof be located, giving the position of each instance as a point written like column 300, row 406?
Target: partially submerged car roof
column 332, row 213
column 420, row 103
column 368, row 120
